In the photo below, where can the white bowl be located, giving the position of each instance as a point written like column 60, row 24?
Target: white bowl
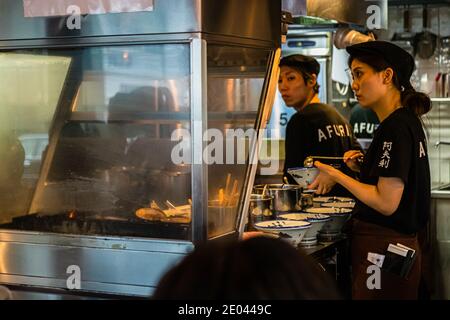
column 348, row 205
column 303, row 176
column 332, row 199
column 317, row 221
column 339, row 216
column 289, row 230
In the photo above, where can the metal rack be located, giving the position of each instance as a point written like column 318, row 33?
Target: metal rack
column 417, row 2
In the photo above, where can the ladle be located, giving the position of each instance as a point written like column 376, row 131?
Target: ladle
column 309, row 161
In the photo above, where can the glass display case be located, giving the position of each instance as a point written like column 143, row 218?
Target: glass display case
column 118, row 105
column 235, row 84
column 124, row 149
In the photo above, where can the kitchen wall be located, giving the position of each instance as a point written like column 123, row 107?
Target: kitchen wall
column 438, row 120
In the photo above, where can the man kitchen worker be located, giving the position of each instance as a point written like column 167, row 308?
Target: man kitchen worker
column 316, row 129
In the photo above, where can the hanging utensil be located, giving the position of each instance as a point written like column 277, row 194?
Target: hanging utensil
column 404, row 39
column 425, row 41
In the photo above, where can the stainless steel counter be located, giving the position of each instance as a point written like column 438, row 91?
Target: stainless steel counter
column 442, row 192
column 440, row 241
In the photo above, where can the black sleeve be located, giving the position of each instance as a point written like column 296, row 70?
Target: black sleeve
column 296, row 144
column 393, row 153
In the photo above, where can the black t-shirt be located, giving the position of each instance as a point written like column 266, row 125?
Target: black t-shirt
column 399, row 150
column 364, row 122
column 318, row 130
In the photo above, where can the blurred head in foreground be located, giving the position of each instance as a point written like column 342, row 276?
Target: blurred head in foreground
column 258, row 268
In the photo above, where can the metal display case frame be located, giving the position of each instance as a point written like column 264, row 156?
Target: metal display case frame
column 126, row 266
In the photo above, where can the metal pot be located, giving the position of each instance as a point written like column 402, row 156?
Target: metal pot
column 286, row 197
column 129, row 185
column 177, row 186
column 174, row 184
column 260, row 209
column 122, row 179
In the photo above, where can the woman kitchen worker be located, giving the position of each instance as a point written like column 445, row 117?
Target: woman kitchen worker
column 394, row 188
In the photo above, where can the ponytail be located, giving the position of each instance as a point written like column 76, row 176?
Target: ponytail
column 419, row 103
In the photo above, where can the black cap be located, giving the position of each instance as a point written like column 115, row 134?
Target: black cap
column 397, row 58
column 304, row 64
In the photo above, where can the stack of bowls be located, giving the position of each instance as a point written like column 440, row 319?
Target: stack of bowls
column 318, row 222
column 290, row 230
column 332, row 229
column 347, row 205
column 334, row 202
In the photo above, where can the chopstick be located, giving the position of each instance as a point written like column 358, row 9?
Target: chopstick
column 227, row 197
column 170, row 205
column 221, row 197
column 227, row 185
column 233, row 193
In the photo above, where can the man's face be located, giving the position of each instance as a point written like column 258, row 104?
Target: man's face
column 293, row 89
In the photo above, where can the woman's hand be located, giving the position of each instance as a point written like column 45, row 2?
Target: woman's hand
column 325, row 181
column 352, row 159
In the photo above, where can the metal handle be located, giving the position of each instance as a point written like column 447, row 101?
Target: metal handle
column 324, row 157
column 447, row 143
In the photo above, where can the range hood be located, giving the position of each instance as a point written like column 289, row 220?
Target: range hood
column 356, row 12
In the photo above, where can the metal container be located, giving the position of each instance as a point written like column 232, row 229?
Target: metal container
column 221, row 219
column 260, row 209
column 286, row 197
column 306, row 200
column 174, row 184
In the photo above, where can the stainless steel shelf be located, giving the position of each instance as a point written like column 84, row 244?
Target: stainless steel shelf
column 130, row 116
column 393, row 3
column 160, row 117
column 445, row 100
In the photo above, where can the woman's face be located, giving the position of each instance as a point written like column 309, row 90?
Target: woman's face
column 368, row 84
column 292, row 86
